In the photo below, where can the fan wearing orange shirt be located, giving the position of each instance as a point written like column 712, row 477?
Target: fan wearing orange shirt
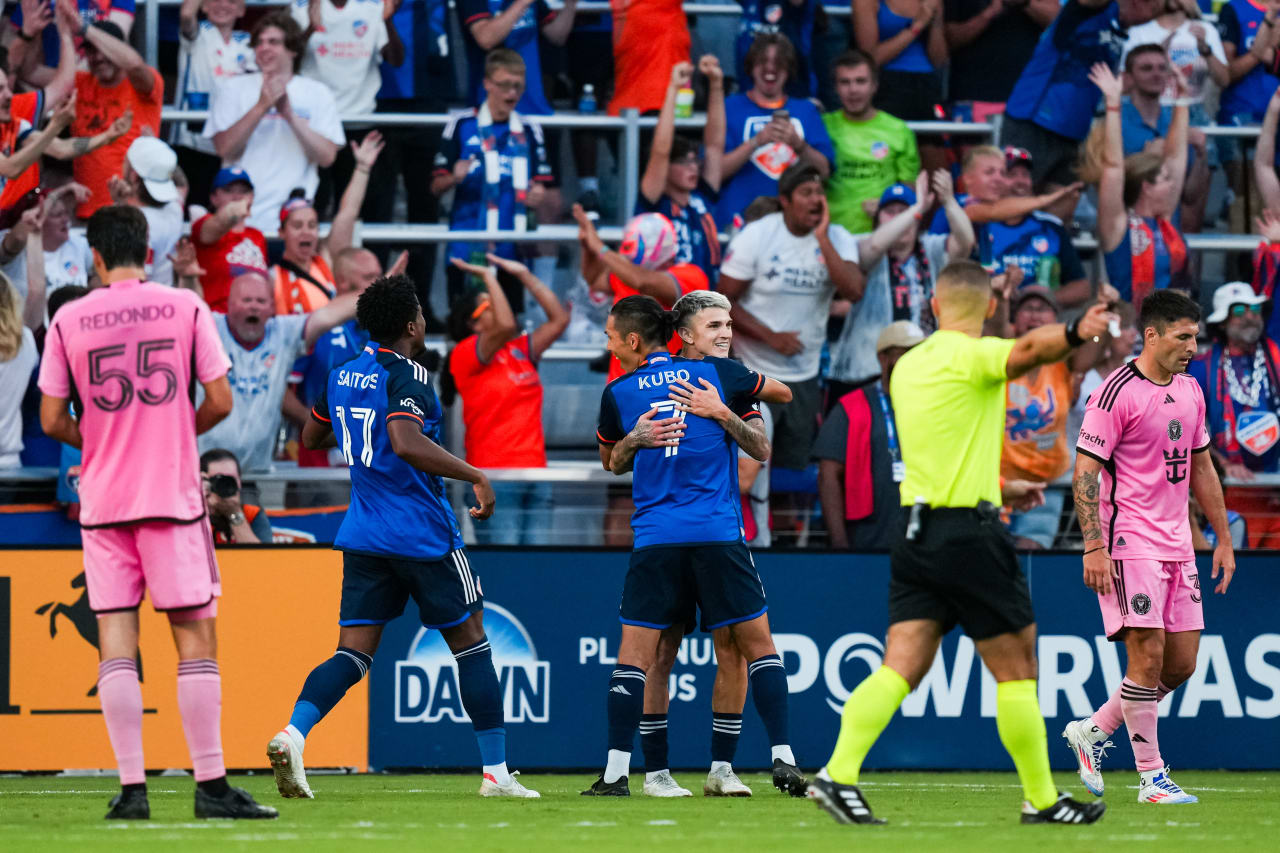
column 494, row 370
column 643, row 264
column 118, row 83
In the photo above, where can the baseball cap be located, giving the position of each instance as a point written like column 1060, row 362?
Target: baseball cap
column 230, row 175
column 1036, row 291
column 900, row 333
column 897, row 193
column 154, row 162
column 1232, row 293
column 1015, row 156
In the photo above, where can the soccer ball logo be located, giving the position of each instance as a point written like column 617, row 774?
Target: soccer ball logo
column 649, row 241
column 1175, row 429
column 1141, row 603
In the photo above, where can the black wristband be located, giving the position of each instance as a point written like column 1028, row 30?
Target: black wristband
column 1073, row 337
column 1099, row 548
column 22, row 34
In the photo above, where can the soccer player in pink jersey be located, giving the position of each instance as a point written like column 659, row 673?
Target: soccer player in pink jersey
column 128, row 356
column 1142, row 444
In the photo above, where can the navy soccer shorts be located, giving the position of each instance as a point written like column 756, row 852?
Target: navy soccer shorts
column 666, row 582
column 375, row 589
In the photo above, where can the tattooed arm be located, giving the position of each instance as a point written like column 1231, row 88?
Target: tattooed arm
column 705, row 402
column 1097, row 563
column 646, row 433
column 78, row 146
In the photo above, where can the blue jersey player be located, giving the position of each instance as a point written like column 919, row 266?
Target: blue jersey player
column 400, row 538
column 688, row 525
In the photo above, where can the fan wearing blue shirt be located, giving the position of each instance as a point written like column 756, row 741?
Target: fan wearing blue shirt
column 766, row 131
column 795, row 20
column 677, row 421
column 1051, row 107
column 399, row 539
column 497, row 160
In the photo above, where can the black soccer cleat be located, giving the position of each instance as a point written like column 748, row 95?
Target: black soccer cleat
column 1064, row 810
column 788, row 779
column 235, row 804
column 601, row 788
column 845, row 803
column 130, row 805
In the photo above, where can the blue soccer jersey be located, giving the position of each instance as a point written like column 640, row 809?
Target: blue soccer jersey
column 685, row 494
column 396, row 510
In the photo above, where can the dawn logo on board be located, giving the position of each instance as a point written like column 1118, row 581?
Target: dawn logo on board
column 427, row 677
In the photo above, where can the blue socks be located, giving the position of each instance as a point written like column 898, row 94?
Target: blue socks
column 725, row 730
column 769, row 690
column 653, row 741
column 626, row 702
column 326, row 685
column 482, row 699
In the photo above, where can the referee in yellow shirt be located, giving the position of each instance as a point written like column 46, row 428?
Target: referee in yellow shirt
column 956, row 562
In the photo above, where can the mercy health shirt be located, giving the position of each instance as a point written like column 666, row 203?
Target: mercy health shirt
column 396, row 510
column 685, row 494
column 273, row 156
column 789, row 291
column 1054, row 90
column 501, row 404
column 759, row 175
column 1144, row 435
column 347, row 54
column 258, row 378
column 129, row 355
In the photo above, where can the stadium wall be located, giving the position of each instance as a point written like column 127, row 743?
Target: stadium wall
column 552, row 621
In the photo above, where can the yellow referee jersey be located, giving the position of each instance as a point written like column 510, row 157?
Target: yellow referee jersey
column 948, row 401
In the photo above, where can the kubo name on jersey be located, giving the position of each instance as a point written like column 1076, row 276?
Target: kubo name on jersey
column 662, row 378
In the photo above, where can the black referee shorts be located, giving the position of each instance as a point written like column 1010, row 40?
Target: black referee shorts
column 962, row 569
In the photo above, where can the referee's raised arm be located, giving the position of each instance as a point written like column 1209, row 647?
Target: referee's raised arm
column 1051, row 343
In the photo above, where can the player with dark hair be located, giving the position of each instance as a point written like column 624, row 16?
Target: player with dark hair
column 955, row 562
column 1143, row 445
column 688, row 524
column 142, row 514
column 400, row 538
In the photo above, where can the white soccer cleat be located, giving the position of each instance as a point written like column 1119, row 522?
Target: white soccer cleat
column 490, row 788
column 723, row 782
column 1088, row 754
column 1155, row 786
column 286, row 763
column 663, row 785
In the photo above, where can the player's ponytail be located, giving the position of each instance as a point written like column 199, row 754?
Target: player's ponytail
column 643, row 316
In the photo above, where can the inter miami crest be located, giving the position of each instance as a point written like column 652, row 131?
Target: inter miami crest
column 1140, row 603
column 1175, row 429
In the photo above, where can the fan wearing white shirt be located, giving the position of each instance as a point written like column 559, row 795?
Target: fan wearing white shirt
column 209, row 51
column 780, row 272
column 68, row 260
column 347, row 42
column 274, row 123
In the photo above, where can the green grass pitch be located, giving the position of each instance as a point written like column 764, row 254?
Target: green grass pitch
column 934, row 812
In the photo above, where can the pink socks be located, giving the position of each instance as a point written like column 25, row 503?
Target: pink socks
column 121, row 698
column 200, row 702
column 1109, row 717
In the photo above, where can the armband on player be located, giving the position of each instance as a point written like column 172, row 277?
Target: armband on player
column 1073, row 337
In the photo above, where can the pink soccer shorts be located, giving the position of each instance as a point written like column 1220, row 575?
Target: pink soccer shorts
column 175, row 562
column 1152, row 594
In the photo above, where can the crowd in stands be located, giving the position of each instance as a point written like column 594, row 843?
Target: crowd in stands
column 839, row 215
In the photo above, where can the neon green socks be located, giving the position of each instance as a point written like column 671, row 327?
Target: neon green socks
column 1021, row 728
column 866, row 713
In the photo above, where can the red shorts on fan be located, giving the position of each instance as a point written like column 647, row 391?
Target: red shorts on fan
column 174, row 562
column 1152, row 594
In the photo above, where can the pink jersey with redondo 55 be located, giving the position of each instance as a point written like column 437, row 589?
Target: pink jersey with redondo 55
column 1144, row 435
column 130, row 354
